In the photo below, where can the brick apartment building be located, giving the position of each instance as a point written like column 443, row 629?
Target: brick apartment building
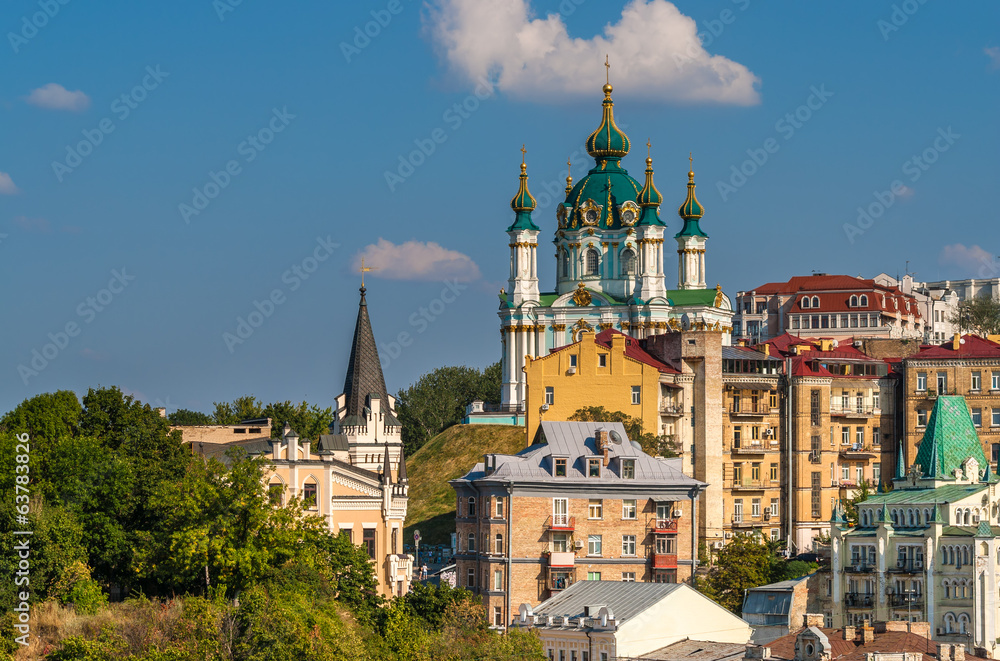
column 582, row 503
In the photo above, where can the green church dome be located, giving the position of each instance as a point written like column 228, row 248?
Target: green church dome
column 608, row 141
column 523, row 202
column 691, row 211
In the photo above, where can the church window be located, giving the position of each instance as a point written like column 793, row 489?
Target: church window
column 628, row 262
column 309, row 496
column 565, row 263
column 592, row 261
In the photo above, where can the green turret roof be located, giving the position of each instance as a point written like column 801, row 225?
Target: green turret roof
column 691, row 211
column 650, row 199
column 900, row 463
column 950, row 439
column 523, row 203
column 608, row 141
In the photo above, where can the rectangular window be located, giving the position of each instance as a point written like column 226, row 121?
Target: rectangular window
column 977, row 417
column 596, row 509
column 309, row 496
column 628, row 469
column 737, row 473
column 628, row 509
column 795, row 322
column 594, row 576
column 816, row 492
column 498, row 580
column 845, row 472
column 876, row 400
column 471, row 547
column 922, row 417
column 977, row 381
column 814, row 406
column 773, row 399
column 755, row 472
column 593, row 468
column 636, row 394
column 774, row 507
column 921, row 381
column 864, row 320
column 877, row 473
column 738, row 510
column 470, row 578
column 996, row 418
column 628, row 544
column 602, row 360
column 498, row 512
column 368, row 537
column 737, row 436
column 859, row 473
column 995, row 381
column 773, row 475
column 627, row 577
column 942, row 382
column 560, row 466
column 755, row 507
column 572, row 360
column 560, row 511
column 845, row 435
column 877, row 435
column 594, row 545
column 843, row 321
column 560, row 542
column 497, row 616
column 859, row 436
column 550, row 395
column 854, row 321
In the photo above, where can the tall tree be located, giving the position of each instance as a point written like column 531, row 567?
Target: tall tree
column 743, row 563
column 186, row 417
column 979, row 315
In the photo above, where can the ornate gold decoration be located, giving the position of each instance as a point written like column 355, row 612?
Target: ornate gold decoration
column 718, row 296
column 569, row 177
column 561, row 214
column 590, row 231
column 581, row 325
column 581, row 296
column 674, row 324
column 629, row 212
column 588, row 218
column 605, row 326
column 558, row 328
column 629, row 231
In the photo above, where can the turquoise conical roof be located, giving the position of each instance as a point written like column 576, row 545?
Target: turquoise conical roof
column 691, row 211
column 608, row 141
column 950, row 439
column 523, row 203
column 650, row 199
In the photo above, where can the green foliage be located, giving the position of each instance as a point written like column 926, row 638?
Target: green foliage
column 979, row 315
column 438, row 400
column 743, row 563
column 861, row 494
column 75, row 586
column 308, row 420
column 186, row 417
column 657, row 446
column 431, row 603
column 786, row 571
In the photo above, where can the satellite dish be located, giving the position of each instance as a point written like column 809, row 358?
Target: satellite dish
column 636, row 445
column 616, row 438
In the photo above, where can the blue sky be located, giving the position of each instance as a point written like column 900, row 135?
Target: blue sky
column 287, row 122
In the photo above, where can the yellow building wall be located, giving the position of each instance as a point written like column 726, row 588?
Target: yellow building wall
column 591, row 385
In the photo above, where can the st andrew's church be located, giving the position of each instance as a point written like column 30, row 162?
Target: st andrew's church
column 609, row 263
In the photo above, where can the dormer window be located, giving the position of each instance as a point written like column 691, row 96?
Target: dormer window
column 628, row 469
column 815, row 302
column 864, row 301
column 559, row 467
column 854, row 301
column 805, row 301
column 594, row 467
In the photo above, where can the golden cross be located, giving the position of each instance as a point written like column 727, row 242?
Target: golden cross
column 523, row 152
column 649, row 146
column 691, row 159
column 607, row 70
column 364, row 269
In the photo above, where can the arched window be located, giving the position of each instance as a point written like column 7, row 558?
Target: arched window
column 949, row 622
column 498, row 546
column 895, row 519
column 968, row 517
column 927, row 516
column 628, row 262
column 963, row 623
column 805, row 301
column 854, row 301
column 864, row 301
column 565, row 263
column 909, row 518
column 592, row 260
column 946, row 584
column 472, row 507
column 471, row 548
column 965, row 556
column 815, row 301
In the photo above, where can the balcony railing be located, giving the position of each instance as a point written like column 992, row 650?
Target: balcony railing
column 859, row 600
column 561, row 522
column 742, row 521
column 671, row 409
column 663, row 525
column 906, row 600
column 747, row 484
column 751, row 447
column 907, row 567
column 857, row 450
column 855, row 412
column 860, row 568
column 750, row 410
column 664, row 561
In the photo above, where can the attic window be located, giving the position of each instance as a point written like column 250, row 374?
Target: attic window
column 255, row 430
column 240, row 430
column 560, row 467
column 628, row 469
column 805, row 301
column 594, row 467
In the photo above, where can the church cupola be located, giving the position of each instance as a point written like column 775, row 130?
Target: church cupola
column 523, row 233
column 650, row 284
column 650, row 198
column 608, row 142
column 691, row 240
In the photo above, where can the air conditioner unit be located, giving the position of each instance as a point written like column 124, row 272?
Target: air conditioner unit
column 578, row 544
column 545, row 407
column 571, row 370
column 767, row 515
column 940, row 631
column 678, row 514
column 901, row 562
column 716, row 545
column 729, row 535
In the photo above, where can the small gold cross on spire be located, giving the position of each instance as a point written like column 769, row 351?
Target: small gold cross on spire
column 523, row 152
column 649, row 147
column 691, row 160
column 569, row 167
column 364, row 269
column 607, row 70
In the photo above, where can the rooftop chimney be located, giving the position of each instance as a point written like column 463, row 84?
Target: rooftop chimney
column 849, row 633
column 956, row 342
column 867, row 633
column 813, row 620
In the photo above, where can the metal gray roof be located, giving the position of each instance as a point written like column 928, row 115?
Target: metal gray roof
column 737, row 353
column 626, row 600
column 576, row 442
column 331, row 442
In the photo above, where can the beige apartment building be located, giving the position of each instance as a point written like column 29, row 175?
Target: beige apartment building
column 582, row 503
column 354, row 478
column 965, row 365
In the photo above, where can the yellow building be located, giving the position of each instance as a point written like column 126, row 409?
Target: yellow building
column 609, row 370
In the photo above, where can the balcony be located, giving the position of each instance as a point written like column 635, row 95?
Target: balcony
column 671, row 409
column 860, row 568
column 751, row 447
column 559, row 579
column 907, row 567
column 859, row 600
column 664, row 561
column 561, row 522
column 858, row 451
column 562, row 559
column 749, row 411
column 750, row 521
column 856, row 413
column 907, row 600
column 662, row 525
column 749, row 485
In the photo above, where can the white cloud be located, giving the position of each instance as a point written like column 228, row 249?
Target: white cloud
column 655, row 53
column 7, row 186
column 970, row 260
column 56, row 97
column 416, row 260
column 33, row 224
column 993, row 53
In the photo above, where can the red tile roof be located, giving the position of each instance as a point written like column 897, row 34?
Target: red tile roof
column 834, row 293
column 972, row 347
column 853, row 650
column 634, row 351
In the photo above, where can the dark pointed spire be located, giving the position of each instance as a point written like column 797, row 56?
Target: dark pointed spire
column 386, row 467
column 364, row 371
column 900, row 463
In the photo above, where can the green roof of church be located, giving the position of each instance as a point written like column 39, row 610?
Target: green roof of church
column 950, row 439
column 949, row 493
column 691, row 296
column 523, row 203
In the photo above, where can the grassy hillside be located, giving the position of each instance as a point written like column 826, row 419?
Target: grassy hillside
column 448, row 455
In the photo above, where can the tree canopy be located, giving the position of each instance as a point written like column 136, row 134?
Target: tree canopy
column 979, row 315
